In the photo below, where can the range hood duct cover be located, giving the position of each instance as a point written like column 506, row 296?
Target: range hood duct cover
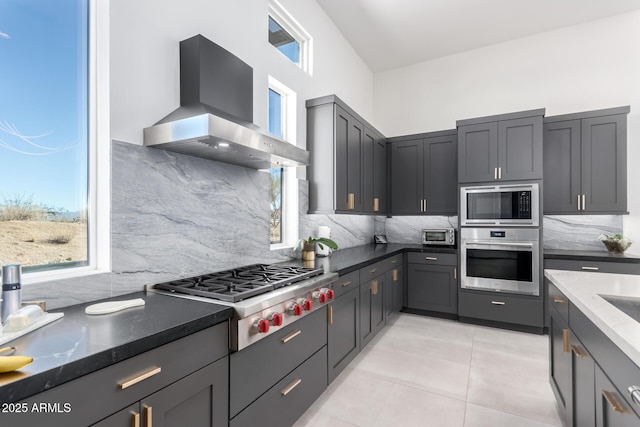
column 214, row 120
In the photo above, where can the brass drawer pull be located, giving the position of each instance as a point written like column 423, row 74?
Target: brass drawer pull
column 498, row 302
column 394, row 275
column 558, row 300
column 330, row 315
column 148, row 416
column 376, row 204
column 135, row 419
column 374, row 287
column 591, row 268
column 351, row 201
column 565, row 341
column 431, row 258
column 394, row 261
column 139, row 378
column 345, row 284
column 611, row 398
column 578, row 352
column 291, row 336
column 455, row 273
column 373, row 270
column 290, row 387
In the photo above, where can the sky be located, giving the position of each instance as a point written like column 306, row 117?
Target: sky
column 43, row 102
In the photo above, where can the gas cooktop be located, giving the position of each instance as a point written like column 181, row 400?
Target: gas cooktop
column 240, row 283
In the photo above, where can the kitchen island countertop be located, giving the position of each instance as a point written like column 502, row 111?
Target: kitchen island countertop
column 583, row 289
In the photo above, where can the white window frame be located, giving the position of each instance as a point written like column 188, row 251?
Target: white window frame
column 293, row 27
column 99, row 155
column 289, row 179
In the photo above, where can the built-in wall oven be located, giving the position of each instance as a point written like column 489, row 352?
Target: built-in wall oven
column 510, row 205
column 501, row 260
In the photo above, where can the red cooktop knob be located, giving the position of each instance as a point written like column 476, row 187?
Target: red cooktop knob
column 306, row 304
column 263, row 326
column 322, row 298
column 295, row 309
column 330, row 294
column 276, row 319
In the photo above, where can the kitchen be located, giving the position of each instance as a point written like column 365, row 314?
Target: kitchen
column 153, row 201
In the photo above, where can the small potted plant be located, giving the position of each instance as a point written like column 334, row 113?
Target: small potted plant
column 309, row 246
column 615, row 243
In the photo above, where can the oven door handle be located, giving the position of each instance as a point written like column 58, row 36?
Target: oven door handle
column 489, row 245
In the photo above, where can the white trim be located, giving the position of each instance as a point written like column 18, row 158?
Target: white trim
column 293, row 27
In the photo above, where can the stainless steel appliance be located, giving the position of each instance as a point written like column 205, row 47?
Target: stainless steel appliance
column 439, row 236
column 501, row 260
column 513, row 205
column 265, row 297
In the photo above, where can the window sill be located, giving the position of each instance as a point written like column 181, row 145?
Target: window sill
column 49, row 276
column 280, row 246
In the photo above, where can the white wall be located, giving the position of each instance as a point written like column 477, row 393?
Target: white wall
column 584, row 67
column 145, row 61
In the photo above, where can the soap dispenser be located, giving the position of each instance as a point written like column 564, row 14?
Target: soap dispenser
column 11, row 290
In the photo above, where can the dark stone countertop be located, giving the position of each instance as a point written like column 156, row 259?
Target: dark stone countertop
column 601, row 256
column 344, row 261
column 79, row 344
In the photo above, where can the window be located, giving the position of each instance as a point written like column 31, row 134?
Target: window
column 47, row 139
column 283, row 206
column 286, row 35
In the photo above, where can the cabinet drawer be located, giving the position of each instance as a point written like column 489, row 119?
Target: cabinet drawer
column 346, row 283
column 432, row 258
column 176, row 360
column 558, row 301
column 501, row 308
column 289, row 398
column 372, row 271
column 393, row 262
column 593, row 266
column 258, row 367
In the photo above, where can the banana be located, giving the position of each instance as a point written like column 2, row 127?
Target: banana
column 11, row 363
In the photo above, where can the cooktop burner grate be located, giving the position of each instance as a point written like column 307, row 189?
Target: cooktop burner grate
column 240, row 283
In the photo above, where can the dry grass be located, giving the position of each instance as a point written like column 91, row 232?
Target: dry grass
column 42, row 242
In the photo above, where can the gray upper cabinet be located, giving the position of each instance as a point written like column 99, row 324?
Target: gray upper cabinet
column 585, row 162
column 505, row 147
column 347, row 173
column 424, row 174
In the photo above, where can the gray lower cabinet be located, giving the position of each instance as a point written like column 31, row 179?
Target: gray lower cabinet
column 200, row 399
column 585, row 161
column 582, row 384
column 611, row 408
column 560, row 365
column 505, row 147
column 501, row 307
column 432, row 282
column 424, row 174
column 372, row 312
column 343, row 333
column 393, row 292
column 189, row 374
column 593, row 266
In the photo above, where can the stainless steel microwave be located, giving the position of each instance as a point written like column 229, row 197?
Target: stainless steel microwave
column 515, row 205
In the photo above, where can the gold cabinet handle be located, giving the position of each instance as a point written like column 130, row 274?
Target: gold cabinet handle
column 374, row 287
column 565, row 341
column 135, row 419
column 351, row 201
column 455, row 273
column 330, row 315
column 376, row 204
column 148, row 416
column 559, row 300
column 373, row 270
column 345, row 284
column 498, row 302
column 590, row 268
column 611, row 398
column 394, row 275
column 290, row 387
column 136, row 380
column 431, row 258
column 394, row 261
column 291, row 336
column 578, row 352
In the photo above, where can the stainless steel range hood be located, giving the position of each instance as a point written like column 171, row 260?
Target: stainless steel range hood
column 215, row 118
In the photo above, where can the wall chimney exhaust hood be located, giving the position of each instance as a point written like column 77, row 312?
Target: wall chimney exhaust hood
column 215, row 117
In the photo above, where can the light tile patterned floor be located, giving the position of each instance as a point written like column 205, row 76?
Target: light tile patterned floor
column 423, row 371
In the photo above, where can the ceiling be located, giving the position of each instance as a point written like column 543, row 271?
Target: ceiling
column 389, row 34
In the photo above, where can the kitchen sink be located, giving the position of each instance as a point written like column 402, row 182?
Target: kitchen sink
column 628, row 305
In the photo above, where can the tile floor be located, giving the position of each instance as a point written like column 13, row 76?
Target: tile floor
column 424, row 371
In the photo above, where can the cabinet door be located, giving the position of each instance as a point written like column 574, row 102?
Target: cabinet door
column 477, row 152
column 348, row 157
column 397, row 285
column 432, row 287
column 583, row 385
column 127, row 417
column 611, row 408
column 440, row 175
column 393, row 292
column 406, row 177
column 561, row 166
column 372, row 314
column 520, row 148
column 368, row 167
column 343, row 332
column 380, row 175
column 560, row 364
column 604, row 163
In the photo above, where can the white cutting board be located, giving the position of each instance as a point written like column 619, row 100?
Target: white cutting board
column 44, row 320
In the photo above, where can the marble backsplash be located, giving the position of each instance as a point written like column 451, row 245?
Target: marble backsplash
column 407, row 229
column 579, row 232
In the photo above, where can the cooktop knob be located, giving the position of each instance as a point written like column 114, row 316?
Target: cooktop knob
column 262, row 325
column 295, row 309
column 306, row 304
column 275, row 319
column 320, row 296
column 330, row 294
